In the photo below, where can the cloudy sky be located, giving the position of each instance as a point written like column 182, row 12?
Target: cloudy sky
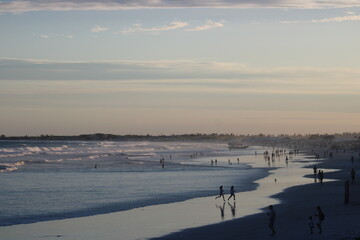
column 179, row 66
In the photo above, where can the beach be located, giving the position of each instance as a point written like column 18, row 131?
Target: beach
column 208, row 218
column 296, row 205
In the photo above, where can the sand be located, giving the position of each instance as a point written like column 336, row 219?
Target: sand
column 296, row 205
column 247, row 221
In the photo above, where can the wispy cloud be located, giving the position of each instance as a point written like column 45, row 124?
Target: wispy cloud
column 46, row 36
column 198, row 76
column 338, row 19
column 18, row 6
column 138, row 28
column 65, row 36
column 98, row 28
column 209, row 25
column 349, row 18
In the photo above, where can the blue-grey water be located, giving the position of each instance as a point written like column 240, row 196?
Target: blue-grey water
column 45, row 180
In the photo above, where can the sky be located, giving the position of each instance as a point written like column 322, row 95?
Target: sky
column 176, row 67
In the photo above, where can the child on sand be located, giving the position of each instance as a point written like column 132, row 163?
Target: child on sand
column 311, row 225
column 221, row 194
column 232, row 193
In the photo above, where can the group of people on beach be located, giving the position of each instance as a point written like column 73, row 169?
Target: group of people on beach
column 277, row 154
column 316, row 219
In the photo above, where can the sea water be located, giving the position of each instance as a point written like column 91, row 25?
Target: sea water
column 48, row 180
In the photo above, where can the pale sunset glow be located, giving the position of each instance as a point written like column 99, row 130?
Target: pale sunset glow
column 172, row 67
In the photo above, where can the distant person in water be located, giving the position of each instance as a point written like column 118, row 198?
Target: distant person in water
column 272, row 215
column 221, row 193
column 232, row 193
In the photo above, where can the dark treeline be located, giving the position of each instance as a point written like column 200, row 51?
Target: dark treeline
column 113, row 137
column 182, row 137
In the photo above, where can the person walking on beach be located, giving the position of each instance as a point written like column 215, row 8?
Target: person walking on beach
column 352, row 173
column 321, row 176
column 272, row 215
column 232, row 193
column 221, row 194
column 320, row 218
column 315, row 170
column 315, row 173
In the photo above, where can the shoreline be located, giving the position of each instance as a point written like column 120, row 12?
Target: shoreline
column 295, row 205
column 160, row 220
column 171, row 199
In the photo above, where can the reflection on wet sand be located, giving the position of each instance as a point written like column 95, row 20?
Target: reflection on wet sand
column 222, row 209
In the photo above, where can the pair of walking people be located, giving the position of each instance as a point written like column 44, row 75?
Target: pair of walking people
column 221, row 193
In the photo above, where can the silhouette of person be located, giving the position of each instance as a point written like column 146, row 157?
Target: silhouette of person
column 221, row 193
column 352, row 175
column 315, row 169
column 232, row 193
column 272, row 215
column 315, row 173
column 311, row 225
column 321, row 176
column 319, row 218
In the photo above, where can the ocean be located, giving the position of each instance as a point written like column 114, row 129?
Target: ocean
column 49, row 180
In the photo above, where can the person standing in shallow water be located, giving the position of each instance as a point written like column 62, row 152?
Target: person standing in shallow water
column 232, row 193
column 221, row 194
column 272, row 215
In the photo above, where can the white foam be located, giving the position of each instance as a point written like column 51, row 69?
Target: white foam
column 10, row 167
